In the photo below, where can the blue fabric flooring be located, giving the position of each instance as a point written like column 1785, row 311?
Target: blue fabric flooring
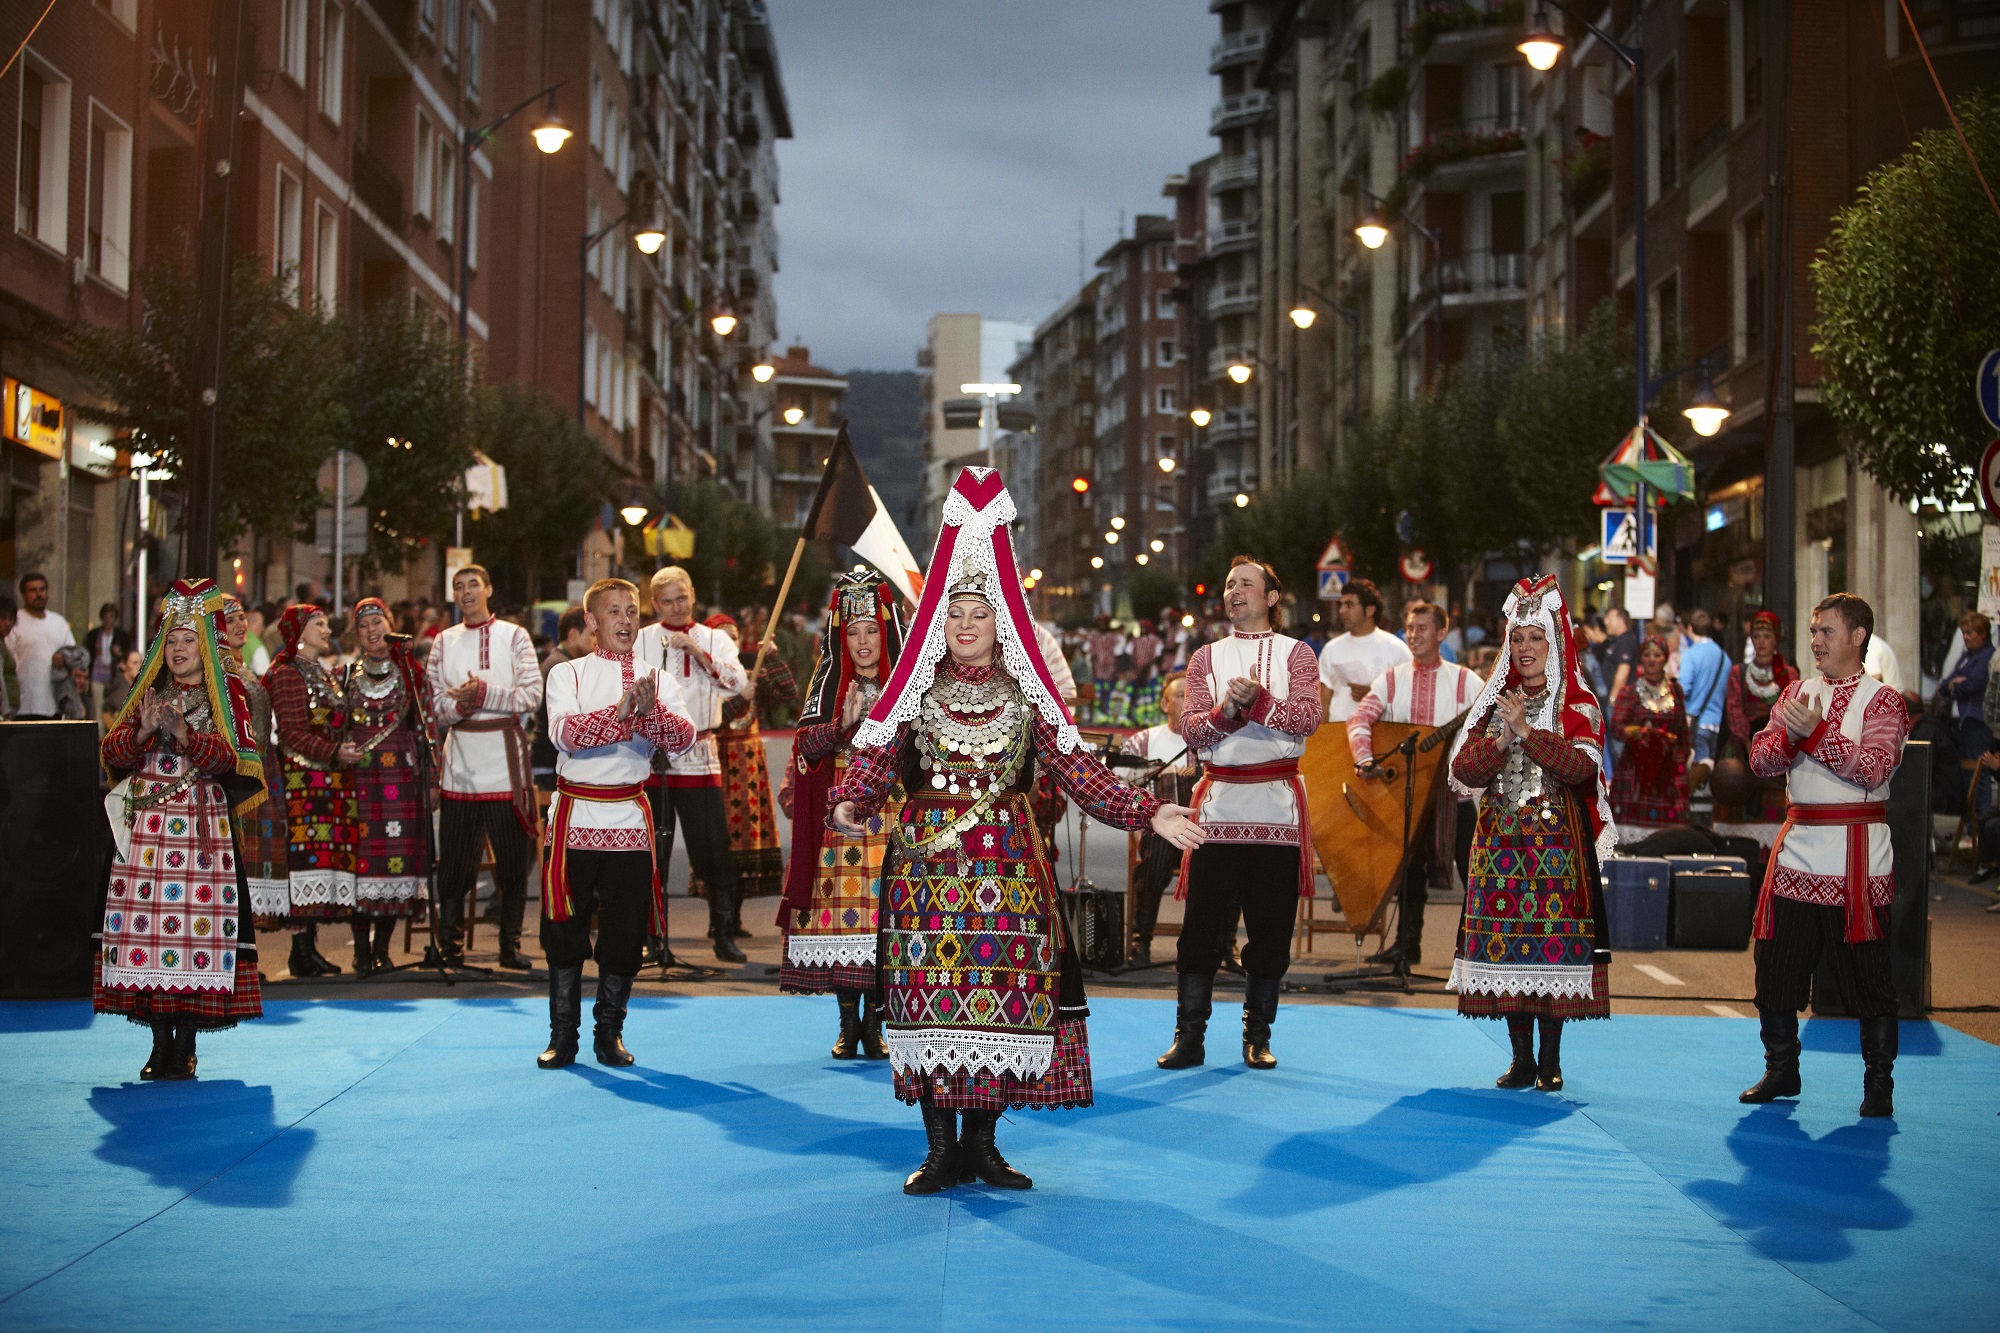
column 361, row 1165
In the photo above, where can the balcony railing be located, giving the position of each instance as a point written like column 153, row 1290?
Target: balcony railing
column 1232, row 234
column 1231, row 298
column 1224, row 484
column 1238, row 48
column 1233, row 173
column 1231, row 424
column 1479, row 274
column 1241, row 109
column 1221, row 357
column 378, row 187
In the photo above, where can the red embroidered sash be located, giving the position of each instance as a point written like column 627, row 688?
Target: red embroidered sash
column 555, row 856
column 1857, row 817
column 1278, row 770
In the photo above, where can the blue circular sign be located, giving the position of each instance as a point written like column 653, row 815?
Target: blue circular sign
column 1988, row 387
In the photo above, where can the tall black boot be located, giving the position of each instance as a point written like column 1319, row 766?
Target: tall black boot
column 565, row 1016
column 872, row 1044
column 940, row 1167
column 449, row 942
column 326, row 965
column 721, row 912
column 157, row 1063
column 981, row 1157
column 1548, row 1065
column 180, row 1056
column 614, row 996
column 301, row 964
column 1781, row 1059
column 1878, row 1055
column 1521, row 1036
column 848, row 1044
column 1196, row 1000
column 385, row 936
column 1260, row 1008
column 511, row 956
column 364, row 956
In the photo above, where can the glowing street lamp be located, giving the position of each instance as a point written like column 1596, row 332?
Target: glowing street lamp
column 1200, row 416
column 1166, row 463
column 1081, row 485
column 1372, row 231
column 649, row 238
column 1141, row 558
column 1303, row 315
column 1240, row 372
column 1118, row 522
column 724, row 324
column 1111, row 537
column 1035, row 574
column 633, row 514
column 762, row 372
column 1097, row 562
column 1157, row 545
column 1705, row 412
column 1541, row 48
column 550, row 134
column 1242, row 500
column 794, row 415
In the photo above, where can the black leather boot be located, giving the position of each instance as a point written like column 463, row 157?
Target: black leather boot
column 721, row 913
column 301, row 964
column 848, row 1044
column 614, row 996
column 1196, row 1000
column 385, row 935
column 1781, row 1059
column 510, row 955
column 1878, row 1055
column 981, row 1157
column 872, row 1044
column 1548, row 1064
column 450, row 942
column 364, row 955
column 163, row 1051
column 180, row 1056
column 940, row 1168
column 565, row 1016
column 1521, row 1036
column 326, row 965
column 1260, row 1007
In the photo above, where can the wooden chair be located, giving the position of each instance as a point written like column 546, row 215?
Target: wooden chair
column 1966, row 835
column 1311, row 924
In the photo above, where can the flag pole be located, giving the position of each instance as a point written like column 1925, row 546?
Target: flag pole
column 777, row 608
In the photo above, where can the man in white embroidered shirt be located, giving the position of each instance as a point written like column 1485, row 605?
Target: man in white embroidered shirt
column 1429, row 692
column 704, row 666
column 1836, row 741
column 607, row 716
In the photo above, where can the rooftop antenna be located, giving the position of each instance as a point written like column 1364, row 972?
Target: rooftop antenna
column 1079, row 248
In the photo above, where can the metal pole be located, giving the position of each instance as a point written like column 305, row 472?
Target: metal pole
column 1638, row 58
column 339, row 526
column 139, row 599
column 582, row 318
column 986, row 415
column 466, row 142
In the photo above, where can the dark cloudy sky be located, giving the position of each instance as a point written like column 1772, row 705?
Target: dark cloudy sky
column 943, row 149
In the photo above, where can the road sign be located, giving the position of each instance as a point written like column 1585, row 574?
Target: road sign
column 1987, row 386
column 1618, row 543
column 353, row 533
column 356, row 479
column 1334, row 556
column 1417, row 567
column 1989, row 479
column 1331, row 582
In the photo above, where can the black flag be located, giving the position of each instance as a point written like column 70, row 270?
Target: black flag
column 844, row 506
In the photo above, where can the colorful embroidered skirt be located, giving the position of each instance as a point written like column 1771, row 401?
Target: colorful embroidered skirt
column 264, row 836
column 971, row 965
column 753, row 823
column 1528, row 938
column 831, row 945
column 172, row 906
column 319, row 808
column 389, row 847
column 205, row 1010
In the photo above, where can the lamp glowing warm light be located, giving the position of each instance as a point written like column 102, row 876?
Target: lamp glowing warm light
column 1097, row 562
column 1118, row 523
column 633, row 515
column 1111, row 537
column 1541, row 48
column 762, row 372
column 1035, row 574
column 723, row 324
column 550, row 134
column 1371, row 231
column 794, row 415
column 1242, row 500
column 649, row 239
column 1303, row 315
column 1200, row 416
column 1080, row 485
column 1141, row 558
column 1705, row 412
column 1158, row 545
column 1166, row 463
column 1187, row 622
column 1239, row 372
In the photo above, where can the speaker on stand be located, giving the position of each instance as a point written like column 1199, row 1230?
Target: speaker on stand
column 54, row 849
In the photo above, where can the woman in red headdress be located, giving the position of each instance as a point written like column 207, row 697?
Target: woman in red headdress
column 831, row 912
column 982, row 992
column 1531, row 941
column 1649, row 791
column 392, row 780
column 317, row 763
column 746, row 780
column 177, row 948
column 1749, row 804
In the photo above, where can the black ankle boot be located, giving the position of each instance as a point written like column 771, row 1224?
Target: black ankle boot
column 1196, row 1000
column 180, row 1055
column 158, row 1063
column 1521, row 1036
column 385, row 935
column 848, row 1044
column 326, row 965
column 1548, row 1065
column 302, row 964
column 614, row 996
column 940, row 1168
column 1260, row 1008
column 364, row 956
column 1878, row 1056
column 721, row 913
column 980, row 1157
column 872, row 1044
column 1781, row 1059
column 565, row 1016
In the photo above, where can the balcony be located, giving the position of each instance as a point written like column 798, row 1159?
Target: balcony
column 1225, row 483
column 1233, row 173
column 1221, row 357
column 1242, row 109
column 1232, row 234
column 1478, row 275
column 1231, row 298
column 1233, row 424
column 1238, row 48
column 378, row 187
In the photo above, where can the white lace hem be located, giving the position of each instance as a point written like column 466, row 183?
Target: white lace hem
column 270, row 897
column 829, row 950
column 929, row 1051
column 317, row 888
column 1472, row 978
column 399, row 889
column 168, row 979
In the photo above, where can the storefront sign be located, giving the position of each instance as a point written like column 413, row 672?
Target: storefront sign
column 34, row 419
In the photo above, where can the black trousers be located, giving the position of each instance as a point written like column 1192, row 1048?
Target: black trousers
column 1159, row 866
column 704, row 822
column 1800, row 933
column 460, row 824
column 1264, row 883
column 618, row 888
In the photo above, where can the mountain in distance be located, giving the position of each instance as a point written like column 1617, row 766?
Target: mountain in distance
column 884, row 410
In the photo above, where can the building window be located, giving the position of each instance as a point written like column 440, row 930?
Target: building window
column 590, row 365
column 1750, row 59
column 448, row 31
column 326, row 258
column 427, row 15
column 446, row 207
column 107, row 236
column 292, row 40
column 125, row 11
column 1508, row 95
column 1165, row 353
column 472, row 221
column 1163, row 446
column 423, row 185
column 1163, row 401
column 288, row 220
column 1665, row 139
column 475, row 52
column 593, row 218
column 41, row 190
column 1165, row 262
column 597, row 112
column 1163, row 306
column 332, row 60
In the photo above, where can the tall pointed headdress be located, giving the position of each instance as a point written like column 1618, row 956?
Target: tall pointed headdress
column 1569, row 709
column 198, row 604
column 974, row 557
column 863, row 596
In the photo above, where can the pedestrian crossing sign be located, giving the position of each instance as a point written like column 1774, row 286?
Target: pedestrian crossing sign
column 1619, row 544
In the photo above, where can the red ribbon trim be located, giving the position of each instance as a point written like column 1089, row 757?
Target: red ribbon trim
column 1279, row 770
column 555, row 857
column 1857, row 817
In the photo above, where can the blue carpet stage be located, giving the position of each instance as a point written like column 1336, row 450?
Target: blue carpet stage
column 363, row 1165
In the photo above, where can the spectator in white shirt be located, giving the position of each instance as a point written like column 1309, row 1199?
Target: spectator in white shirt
column 35, row 637
column 1349, row 664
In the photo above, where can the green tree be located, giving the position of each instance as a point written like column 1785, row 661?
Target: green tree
column 558, row 481
column 1566, row 410
column 410, row 413
column 283, row 406
column 1908, row 288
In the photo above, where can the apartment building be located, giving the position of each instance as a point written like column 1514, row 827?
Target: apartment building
column 958, row 349
column 1139, row 415
column 1058, row 377
column 806, row 409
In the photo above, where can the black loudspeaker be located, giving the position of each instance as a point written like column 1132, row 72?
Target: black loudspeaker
column 54, row 847
column 1910, row 911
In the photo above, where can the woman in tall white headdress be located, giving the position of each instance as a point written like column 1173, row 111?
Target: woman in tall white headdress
column 982, row 992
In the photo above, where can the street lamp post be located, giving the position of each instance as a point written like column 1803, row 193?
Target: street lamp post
column 1373, row 230
column 550, row 134
column 648, row 241
column 1302, row 316
column 989, row 411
